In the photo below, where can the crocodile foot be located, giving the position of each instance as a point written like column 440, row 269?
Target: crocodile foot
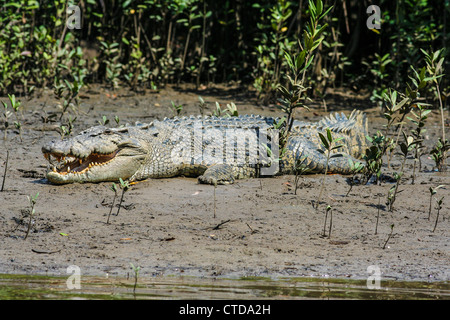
column 218, row 174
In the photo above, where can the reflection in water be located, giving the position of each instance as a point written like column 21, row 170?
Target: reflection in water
column 43, row 287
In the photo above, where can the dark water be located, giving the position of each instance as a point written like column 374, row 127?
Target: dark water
column 21, row 287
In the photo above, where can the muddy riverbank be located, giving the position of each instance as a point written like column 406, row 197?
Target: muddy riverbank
column 167, row 226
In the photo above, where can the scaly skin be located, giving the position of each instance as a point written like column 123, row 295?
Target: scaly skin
column 216, row 150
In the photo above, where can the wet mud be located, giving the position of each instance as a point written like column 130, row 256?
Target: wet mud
column 261, row 227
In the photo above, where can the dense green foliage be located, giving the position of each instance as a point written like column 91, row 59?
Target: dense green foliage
column 150, row 43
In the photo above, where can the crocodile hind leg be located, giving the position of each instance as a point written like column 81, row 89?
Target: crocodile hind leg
column 305, row 154
column 218, row 174
column 227, row 174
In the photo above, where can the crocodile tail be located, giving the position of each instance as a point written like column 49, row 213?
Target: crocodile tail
column 355, row 127
column 341, row 123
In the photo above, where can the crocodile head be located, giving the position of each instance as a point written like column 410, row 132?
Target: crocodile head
column 95, row 155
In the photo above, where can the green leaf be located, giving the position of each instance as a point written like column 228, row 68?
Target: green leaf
column 12, row 4
column 439, row 65
column 404, row 148
column 326, row 12
column 309, row 61
column 400, row 105
column 321, row 29
column 336, row 155
column 425, row 113
column 319, row 7
column 422, row 74
column 316, row 43
column 288, row 58
column 300, row 59
column 126, row 3
column 312, row 8
column 330, row 138
column 324, row 140
column 284, row 91
column 436, row 55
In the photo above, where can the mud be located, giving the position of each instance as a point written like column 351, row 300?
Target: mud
column 260, row 228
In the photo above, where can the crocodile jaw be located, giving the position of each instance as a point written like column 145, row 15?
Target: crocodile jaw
column 111, row 171
column 95, row 167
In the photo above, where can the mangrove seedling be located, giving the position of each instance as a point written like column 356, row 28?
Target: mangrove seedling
column 66, row 130
column 356, row 167
column 32, row 200
column 68, row 93
column 392, row 193
column 328, row 209
column 374, row 157
column 405, row 147
column 18, row 126
column 176, row 109
column 6, row 115
column 439, row 207
column 435, row 67
column 389, row 236
column 117, row 120
column 111, row 58
column 124, row 185
column 392, row 109
column 378, row 212
column 201, row 106
column 113, row 188
column 215, row 203
column 405, row 106
column 104, row 121
column 299, row 170
column 433, row 191
column 230, row 111
column 294, row 95
column 218, row 112
column 418, row 133
column 136, row 274
column 438, row 154
column 4, row 172
column 15, row 104
column 329, row 144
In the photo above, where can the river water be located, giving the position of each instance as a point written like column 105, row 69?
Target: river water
column 21, row 287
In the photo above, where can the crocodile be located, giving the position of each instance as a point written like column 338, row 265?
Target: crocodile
column 216, row 150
